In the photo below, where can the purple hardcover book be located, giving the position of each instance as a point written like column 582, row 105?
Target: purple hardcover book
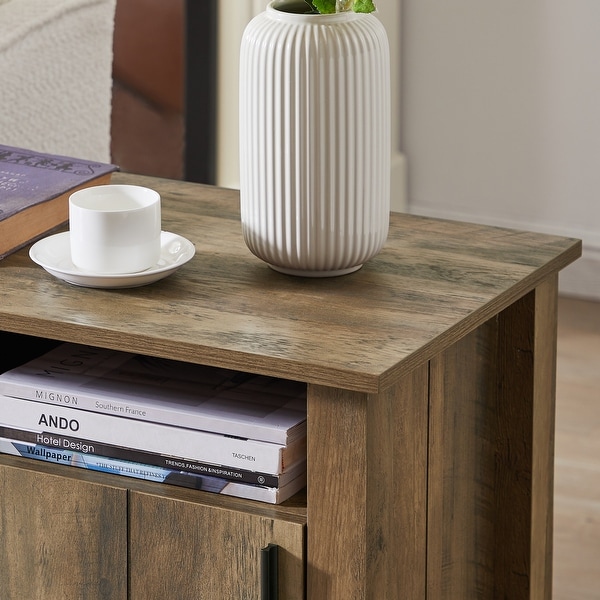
column 34, row 192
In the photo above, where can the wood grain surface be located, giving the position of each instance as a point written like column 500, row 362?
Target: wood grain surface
column 198, row 551
column 60, row 538
column 433, row 282
column 430, row 379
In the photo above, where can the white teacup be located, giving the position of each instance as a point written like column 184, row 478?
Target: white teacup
column 115, row 228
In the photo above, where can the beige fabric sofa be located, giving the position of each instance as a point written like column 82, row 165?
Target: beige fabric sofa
column 56, row 75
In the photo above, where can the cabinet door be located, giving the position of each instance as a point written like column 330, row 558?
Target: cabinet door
column 183, row 549
column 60, row 537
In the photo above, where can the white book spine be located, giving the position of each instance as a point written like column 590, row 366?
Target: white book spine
column 153, row 473
column 150, row 437
column 245, row 476
column 172, row 414
column 42, row 380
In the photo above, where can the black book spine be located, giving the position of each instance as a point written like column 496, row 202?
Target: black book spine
column 139, row 456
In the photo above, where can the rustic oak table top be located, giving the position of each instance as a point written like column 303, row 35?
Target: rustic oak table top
column 433, row 282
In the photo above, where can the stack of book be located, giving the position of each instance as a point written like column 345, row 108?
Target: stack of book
column 162, row 420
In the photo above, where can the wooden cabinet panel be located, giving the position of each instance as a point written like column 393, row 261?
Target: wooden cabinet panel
column 60, row 537
column 367, row 537
column 463, row 430
column 491, row 433
column 183, row 549
column 430, row 417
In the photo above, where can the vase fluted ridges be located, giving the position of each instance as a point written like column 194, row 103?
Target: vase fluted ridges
column 314, row 140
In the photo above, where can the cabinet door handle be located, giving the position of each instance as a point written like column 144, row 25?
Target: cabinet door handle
column 269, row 573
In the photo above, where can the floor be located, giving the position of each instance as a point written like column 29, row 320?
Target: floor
column 577, row 473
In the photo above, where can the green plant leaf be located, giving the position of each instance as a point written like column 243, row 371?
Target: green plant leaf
column 333, row 6
column 364, row 6
column 324, row 6
column 344, row 5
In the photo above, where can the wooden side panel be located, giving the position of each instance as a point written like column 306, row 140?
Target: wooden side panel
column 527, row 389
column 367, row 491
column 61, row 537
column 491, row 457
column 183, row 549
column 543, row 438
column 462, row 465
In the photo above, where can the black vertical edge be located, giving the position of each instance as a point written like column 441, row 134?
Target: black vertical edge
column 269, row 579
column 201, row 90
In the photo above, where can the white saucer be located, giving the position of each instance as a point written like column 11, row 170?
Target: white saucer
column 54, row 255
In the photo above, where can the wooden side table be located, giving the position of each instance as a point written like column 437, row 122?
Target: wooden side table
column 431, row 384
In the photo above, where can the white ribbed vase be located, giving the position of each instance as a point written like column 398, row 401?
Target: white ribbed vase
column 314, row 140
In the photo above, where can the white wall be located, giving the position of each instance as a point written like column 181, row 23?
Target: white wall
column 233, row 17
column 501, row 118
